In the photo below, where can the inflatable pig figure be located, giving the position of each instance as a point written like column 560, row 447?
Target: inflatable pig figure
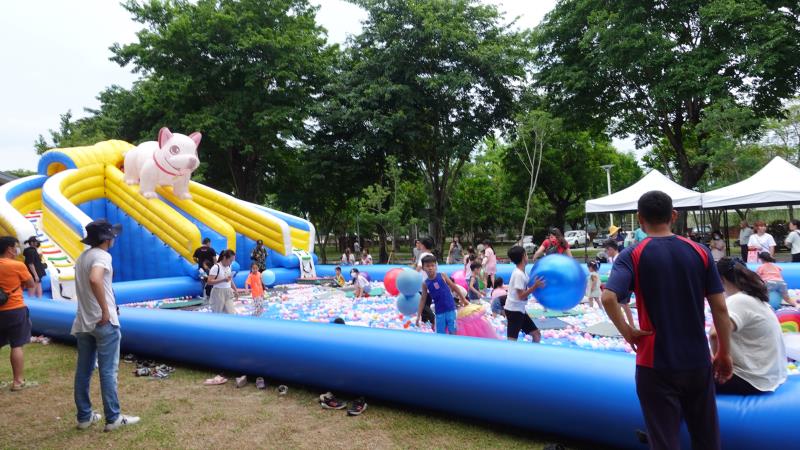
column 170, row 161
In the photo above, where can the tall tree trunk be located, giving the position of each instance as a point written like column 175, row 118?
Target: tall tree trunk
column 384, row 256
column 437, row 221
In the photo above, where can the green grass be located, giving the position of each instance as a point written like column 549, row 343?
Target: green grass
column 180, row 412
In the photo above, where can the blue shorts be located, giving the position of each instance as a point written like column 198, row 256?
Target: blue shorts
column 446, row 322
column 498, row 303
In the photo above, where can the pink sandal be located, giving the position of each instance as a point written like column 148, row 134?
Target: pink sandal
column 217, row 380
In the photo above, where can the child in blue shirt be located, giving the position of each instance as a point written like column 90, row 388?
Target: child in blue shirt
column 440, row 288
column 474, row 292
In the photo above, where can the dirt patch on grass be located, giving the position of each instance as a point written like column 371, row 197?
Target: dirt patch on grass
column 179, row 412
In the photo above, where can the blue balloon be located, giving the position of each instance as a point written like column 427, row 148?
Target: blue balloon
column 408, row 305
column 565, row 282
column 268, row 277
column 409, row 282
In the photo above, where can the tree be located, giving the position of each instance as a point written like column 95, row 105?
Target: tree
column 70, row 134
column 540, row 127
column 571, row 173
column 651, row 68
column 21, row 173
column 427, row 81
column 244, row 73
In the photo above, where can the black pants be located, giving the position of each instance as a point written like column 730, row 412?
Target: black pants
column 744, row 252
column 795, row 257
column 737, row 386
column 668, row 396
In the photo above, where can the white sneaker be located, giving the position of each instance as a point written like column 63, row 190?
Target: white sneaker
column 121, row 422
column 93, row 420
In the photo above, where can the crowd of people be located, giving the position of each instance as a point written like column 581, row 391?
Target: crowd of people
column 672, row 277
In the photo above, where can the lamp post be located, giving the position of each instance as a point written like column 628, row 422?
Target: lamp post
column 607, row 168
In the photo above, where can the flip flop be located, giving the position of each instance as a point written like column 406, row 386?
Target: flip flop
column 217, row 380
column 260, row 383
column 24, row 385
column 3, row 384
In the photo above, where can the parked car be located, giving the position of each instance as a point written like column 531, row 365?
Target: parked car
column 598, row 240
column 528, row 244
column 575, row 238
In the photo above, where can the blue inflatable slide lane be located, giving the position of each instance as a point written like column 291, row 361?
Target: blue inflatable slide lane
column 579, row 394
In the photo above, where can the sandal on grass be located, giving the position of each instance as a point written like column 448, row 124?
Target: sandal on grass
column 217, row 380
column 24, row 385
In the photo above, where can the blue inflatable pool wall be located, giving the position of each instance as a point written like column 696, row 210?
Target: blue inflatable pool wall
column 579, row 394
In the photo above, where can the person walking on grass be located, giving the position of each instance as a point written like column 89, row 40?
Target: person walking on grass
column 96, row 328
column 675, row 373
column 15, row 322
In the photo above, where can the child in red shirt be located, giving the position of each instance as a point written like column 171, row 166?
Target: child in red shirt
column 254, row 283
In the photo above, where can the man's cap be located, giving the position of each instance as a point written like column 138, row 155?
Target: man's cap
column 100, row 230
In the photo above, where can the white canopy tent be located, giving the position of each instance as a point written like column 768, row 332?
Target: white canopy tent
column 777, row 183
column 627, row 199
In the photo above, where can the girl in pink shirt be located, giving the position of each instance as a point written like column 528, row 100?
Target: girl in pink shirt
column 489, row 262
column 770, row 273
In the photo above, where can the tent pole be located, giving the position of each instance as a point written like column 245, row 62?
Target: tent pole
column 586, row 240
column 727, row 233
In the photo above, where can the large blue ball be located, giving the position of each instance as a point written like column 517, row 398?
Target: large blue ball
column 409, row 282
column 408, row 305
column 565, row 282
column 268, row 277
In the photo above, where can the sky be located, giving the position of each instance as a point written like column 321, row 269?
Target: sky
column 56, row 58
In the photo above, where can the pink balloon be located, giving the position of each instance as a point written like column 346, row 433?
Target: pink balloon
column 459, row 278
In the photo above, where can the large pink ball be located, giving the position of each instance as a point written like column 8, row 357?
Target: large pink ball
column 459, row 278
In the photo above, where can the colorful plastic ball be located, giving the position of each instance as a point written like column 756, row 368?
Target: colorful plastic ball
column 565, row 282
column 408, row 304
column 268, row 277
column 789, row 320
column 459, row 278
column 390, row 281
column 409, row 282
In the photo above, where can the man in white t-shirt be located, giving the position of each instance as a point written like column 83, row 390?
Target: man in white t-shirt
column 96, row 328
column 517, row 300
column 793, row 239
column 425, row 246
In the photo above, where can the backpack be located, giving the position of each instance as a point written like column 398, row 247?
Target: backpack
column 4, row 296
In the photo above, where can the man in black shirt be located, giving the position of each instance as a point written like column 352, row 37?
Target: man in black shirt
column 33, row 261
column 205, row 257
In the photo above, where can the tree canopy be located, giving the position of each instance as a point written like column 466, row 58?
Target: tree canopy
column 652, row 68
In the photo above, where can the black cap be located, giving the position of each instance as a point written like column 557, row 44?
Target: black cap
column 100, row 230
column 32, row 239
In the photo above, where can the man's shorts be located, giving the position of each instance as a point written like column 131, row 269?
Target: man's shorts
column 519, row 321
column 15, row 327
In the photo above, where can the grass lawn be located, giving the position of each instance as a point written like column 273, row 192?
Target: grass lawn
column 179, row 412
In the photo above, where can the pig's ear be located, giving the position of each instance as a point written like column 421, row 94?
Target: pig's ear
column 196, row 136
column 163, row 136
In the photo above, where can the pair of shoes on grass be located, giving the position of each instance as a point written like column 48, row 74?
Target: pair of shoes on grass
column 24, row 385
column 329, row 401
column 121, row 421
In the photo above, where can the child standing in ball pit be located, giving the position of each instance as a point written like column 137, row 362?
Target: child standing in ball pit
column 440, row 288
column 517, row 300
column 254, row 283
column 474, row 293
column 593, row 292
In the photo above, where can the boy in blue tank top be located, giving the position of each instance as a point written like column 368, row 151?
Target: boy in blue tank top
column 440, row 288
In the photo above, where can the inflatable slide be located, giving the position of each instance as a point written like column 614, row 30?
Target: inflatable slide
column 78, row 185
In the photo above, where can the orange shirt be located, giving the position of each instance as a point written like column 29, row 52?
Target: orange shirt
column 12, row 274
column 769, row 272
column 255, row 285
